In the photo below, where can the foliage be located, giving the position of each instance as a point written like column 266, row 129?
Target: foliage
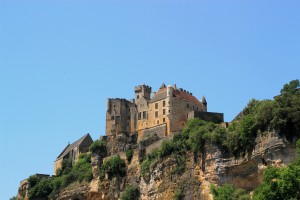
column 191, row 138
column 98, row 147
column 281, row 183
column 228, row 192
column 114, row 167
column 13, row 198
column 286, row 113
column 178, row 194
column 49, row 187
column 131, row 192
column 129, row 154
column 66, row 167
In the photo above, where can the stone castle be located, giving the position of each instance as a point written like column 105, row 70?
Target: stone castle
column 169, row 106
column 149, row 118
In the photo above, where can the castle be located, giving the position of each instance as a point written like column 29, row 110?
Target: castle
column 148, row 118
column 170, row 108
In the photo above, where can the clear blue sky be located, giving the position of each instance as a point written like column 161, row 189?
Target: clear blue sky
column 61, row 59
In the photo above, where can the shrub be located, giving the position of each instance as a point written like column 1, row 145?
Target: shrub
column 228, row 192
column 98, row 147
column 131, row 192
column 129, row 154
column 178, row 194
column 114, row 167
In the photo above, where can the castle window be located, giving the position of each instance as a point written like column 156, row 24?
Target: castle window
column 156, row 105
column 118, row 118
column 156, row 113
column 169, row 111
column 144, row 115
column 197, row 108
column 193, row 107
column 157, row 122
column 112, row 117
column 188, row 105
column 164, row 103
column 114, row 106
column 139, row 116
column 164, row 111
column 137, row 96
column 164, row 120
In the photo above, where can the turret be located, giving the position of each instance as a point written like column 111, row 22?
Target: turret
column 142, row 91
column 204, row 103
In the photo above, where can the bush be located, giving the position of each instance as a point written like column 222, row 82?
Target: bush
column 129, row 154
column 131, row 192
column 228, row 192
column 114, row 167
column 281, row 183
column 178, row 194
column 98, row 147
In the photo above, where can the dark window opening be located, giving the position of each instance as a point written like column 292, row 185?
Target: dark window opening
column 144, row 115
column 156, row 105
column 156, row 113
column 164, row 120
column 164, row 103
column 139, row 116
column 193, row 107
column 188, row 105
column 157, row 122
column 138, row 96
column 112, row 117
column 164, row 111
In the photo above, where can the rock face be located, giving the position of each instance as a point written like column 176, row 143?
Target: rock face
column 246, row 172
column 208, row 167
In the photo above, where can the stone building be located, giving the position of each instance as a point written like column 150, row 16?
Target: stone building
column 72, row 151
column 167, row 110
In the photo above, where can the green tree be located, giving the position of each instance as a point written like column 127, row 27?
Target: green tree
column 131, row 192
column 114, row 167
column 228, row 192
column 129, row 155
column 99, row 147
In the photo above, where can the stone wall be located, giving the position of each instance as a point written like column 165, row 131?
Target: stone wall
column 208, row 116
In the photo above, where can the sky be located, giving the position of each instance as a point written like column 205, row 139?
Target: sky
column 61, row 59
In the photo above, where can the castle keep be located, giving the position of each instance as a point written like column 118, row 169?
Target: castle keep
column 166, row 111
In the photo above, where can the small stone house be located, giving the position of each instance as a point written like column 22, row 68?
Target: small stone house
column 72, row 151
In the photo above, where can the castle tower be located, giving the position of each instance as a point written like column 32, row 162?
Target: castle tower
column 203, row 101
column 142, row 91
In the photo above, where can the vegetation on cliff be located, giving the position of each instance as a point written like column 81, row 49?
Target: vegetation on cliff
column 229, row 192
column 41, row 187
column 131, row 192
column 281, row 183
column 113, row 167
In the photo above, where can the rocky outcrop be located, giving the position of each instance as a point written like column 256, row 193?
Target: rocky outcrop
column 246, row 172
column 210, row 166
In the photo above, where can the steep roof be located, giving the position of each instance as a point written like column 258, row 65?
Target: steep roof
column 70, row 147
column 162, row 94
column 189, row 97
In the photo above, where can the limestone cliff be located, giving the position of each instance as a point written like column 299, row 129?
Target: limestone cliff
column 209, row 167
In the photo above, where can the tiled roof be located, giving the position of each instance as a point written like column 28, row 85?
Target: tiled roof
column 70, row 147
column 162, row 94
column 189, row 97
